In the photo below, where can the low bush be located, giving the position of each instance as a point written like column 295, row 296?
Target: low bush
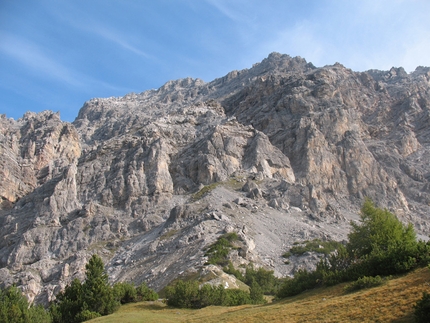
column 316, row 245
column 188, row 294
column 125, row 293
column 422, row 309
column 14, row 308
column 217, row 252
column 144, row 293
column 265, row 279
column 364, row 282
column 303, row 280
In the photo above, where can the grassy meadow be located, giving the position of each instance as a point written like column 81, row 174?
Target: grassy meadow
column 391, row 302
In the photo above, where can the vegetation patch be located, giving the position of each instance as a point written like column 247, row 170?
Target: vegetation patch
column 422, row 309
column 234, row 183
column 14, row 307
column 205, row 190
column 316, row 245
column 261, row 279
column 188, row 294
column 168, row 234
column 217, row 252
column 379, row 245
column 95, row 296
column 392, row 302
column 365, row 282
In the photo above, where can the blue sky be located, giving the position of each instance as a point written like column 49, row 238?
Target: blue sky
column 57, row 54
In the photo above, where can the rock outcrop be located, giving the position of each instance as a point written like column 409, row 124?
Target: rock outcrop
column 278, row 153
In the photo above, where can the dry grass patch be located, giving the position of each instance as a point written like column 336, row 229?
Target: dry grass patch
column 392, row 302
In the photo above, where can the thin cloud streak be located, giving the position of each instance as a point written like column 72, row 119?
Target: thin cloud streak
column 34, row 57
column 230, row 13
column 88, row 25
column 115, row 38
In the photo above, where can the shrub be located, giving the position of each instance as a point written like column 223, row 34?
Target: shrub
column 14, row 308
column 235, row 297
column 303, row 280
column 364, row 282
column 316, row 245
column 256, row 293
column 187, row 294
column 422, row 309
column 229, row 269
column 217, row 253
column 265, row 279
column 287, row 254
column 183, row 294
column 87, row 315
column 125, row 293
column 144, row 293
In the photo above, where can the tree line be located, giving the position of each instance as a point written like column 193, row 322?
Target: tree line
column 80, row 301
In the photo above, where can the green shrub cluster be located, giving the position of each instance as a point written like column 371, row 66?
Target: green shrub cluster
column 364, row 282
column 379, row 245
column 316, row 245
column 265, row 279
column 128, row 293
column 217, row 252
column 422, row 309
column 95, row 297
column 188, row 294
column 14, row 308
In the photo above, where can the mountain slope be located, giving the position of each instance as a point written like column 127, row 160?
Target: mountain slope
column 392, row 302
column 281, row 152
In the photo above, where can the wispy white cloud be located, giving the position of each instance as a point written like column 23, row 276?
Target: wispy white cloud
column 114, row 37
column 89, row 25
column 226, row 8
column 37, row 59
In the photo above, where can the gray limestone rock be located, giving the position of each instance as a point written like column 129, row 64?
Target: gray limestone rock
column 278, row 153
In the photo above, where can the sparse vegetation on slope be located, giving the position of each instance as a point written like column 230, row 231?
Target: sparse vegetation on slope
column 316, row 245
column 379, row 245
column 217, row 252
column 391, row 302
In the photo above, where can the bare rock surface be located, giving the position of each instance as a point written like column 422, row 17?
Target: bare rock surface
column 279, row 153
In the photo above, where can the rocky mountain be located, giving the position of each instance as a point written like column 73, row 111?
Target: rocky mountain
column 278, row 153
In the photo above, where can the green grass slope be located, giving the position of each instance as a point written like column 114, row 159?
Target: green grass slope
column 391, row 302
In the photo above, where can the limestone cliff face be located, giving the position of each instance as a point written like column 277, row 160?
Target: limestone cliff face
column 278, row 153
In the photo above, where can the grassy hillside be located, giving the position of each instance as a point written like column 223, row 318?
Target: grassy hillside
column 392, row 302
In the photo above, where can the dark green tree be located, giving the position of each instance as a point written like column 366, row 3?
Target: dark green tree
column 80, row 302
column 381, row 244
column 69, row 303
column 379, row 230
column 98, row 294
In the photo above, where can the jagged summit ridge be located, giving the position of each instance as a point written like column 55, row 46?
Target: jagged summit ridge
column 278, row 153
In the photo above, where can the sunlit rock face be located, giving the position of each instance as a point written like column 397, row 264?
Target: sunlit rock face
column 278, row 153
